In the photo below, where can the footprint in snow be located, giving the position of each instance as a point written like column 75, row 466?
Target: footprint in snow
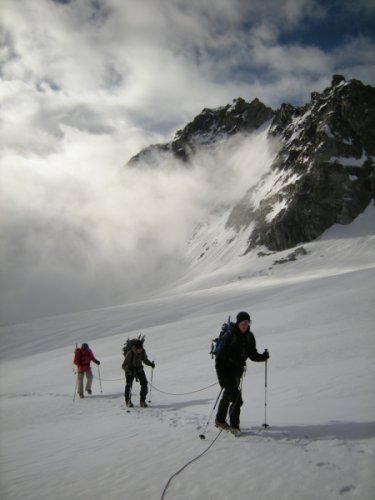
column 346, row 489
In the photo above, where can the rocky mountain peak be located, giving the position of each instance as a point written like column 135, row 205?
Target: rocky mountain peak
column 323, row 173
column 211, row 126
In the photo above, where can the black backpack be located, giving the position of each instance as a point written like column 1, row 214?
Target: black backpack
column 129, row 344
column 218, row 343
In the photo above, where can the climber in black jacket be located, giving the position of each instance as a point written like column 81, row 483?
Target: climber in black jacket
column 230, row 365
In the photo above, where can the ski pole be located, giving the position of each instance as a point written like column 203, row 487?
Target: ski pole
column 202, row 436
column 75, row 389
column 265, row 425
column 76, row 375
column 152, row 376
column 100, row 380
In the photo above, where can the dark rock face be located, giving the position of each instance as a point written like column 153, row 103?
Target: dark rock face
column 323, row 173
column 210, row 126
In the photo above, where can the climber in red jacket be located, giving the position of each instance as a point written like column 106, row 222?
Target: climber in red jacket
column 82, row 358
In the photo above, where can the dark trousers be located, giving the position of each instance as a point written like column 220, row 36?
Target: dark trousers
column 231, row 400
column 141, row 376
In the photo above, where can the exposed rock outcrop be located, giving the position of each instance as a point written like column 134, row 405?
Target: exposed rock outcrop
column 209, row 127
column 322, row 175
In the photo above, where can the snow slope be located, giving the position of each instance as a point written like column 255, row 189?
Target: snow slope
column 316, row 317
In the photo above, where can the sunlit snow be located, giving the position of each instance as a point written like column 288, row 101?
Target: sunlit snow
column 316, row 317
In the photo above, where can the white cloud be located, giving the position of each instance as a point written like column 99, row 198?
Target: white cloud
column 77, row 231
column 156, row 64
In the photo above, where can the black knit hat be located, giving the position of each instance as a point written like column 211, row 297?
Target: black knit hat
column 242, row 316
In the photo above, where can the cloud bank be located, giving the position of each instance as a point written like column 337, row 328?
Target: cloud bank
column 88, row 234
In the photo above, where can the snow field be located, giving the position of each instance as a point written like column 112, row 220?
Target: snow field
column 316, row 317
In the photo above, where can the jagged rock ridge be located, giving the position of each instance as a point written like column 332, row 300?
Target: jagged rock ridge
column 323, row 174
column 209, row 127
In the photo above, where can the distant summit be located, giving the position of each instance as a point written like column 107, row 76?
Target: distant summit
column 209, row 127
column 323, row 173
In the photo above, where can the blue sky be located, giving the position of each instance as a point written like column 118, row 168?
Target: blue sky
column 144, row 68
column 342, row 22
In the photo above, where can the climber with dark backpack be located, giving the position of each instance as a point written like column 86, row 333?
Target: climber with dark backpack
column 218, row 342
column 235, row 344
column 135, row 355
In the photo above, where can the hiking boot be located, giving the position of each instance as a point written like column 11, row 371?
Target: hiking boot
column 81, row 395
column 236, row 431
column 143, row 404
column 129, row 404
column 89, row 391
column 221, row 425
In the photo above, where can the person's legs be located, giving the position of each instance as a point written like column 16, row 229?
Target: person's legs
column 235, row 410
column 89, row 378
column 144, row 387
column 222, row 410
column 230, row 395
column 128, row 387
column 80, row 376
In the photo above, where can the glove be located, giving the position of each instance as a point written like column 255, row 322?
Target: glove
column 153, row 364
column 97, row 362
column 266, row 355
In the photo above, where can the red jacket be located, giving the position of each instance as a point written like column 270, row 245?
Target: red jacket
column 82, row 359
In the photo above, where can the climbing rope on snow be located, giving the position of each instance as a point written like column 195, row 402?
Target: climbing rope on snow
column 159, row 390
column 208, row 447
column 188, row 463
column 183, row 393
column 109, row 379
